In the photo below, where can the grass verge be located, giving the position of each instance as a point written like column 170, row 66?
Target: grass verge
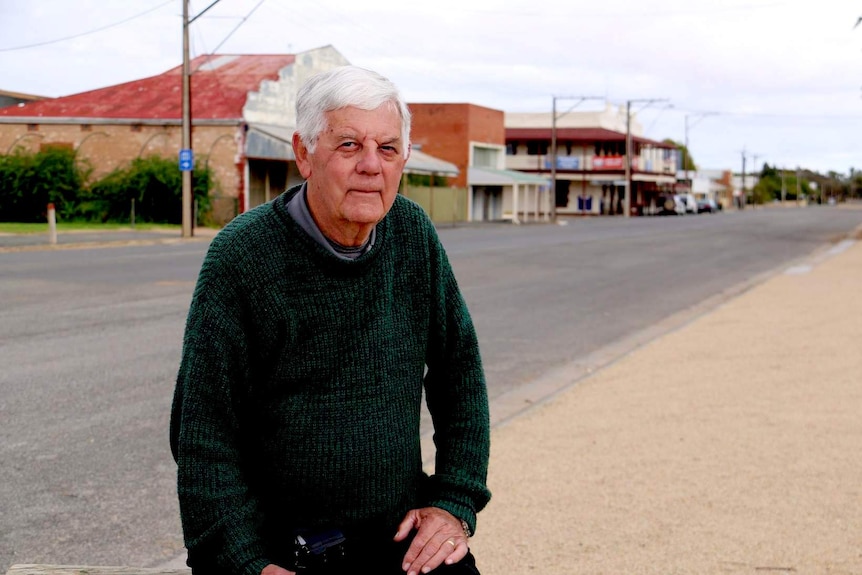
column 42, row 228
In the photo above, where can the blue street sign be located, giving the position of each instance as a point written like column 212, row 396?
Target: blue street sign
column 186, row 160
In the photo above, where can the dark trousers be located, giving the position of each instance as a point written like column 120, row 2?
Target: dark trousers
column 383, row 557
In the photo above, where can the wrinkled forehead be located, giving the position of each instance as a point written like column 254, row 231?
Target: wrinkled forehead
column 388, row 106
column 385, row 119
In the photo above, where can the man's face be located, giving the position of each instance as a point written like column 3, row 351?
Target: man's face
column 354, row 172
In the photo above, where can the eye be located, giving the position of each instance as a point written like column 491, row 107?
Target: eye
column 349, row 145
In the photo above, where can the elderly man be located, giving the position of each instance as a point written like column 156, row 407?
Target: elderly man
column 316, row 323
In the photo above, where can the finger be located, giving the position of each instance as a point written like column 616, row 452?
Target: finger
column 434, row 553
column 459, row 551
column 405, row 527
column 426, row 540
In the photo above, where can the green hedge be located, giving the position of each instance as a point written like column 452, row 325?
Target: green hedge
column 30, row 181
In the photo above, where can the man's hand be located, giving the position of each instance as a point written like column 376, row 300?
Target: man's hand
column 439, row 538
column 275, row 570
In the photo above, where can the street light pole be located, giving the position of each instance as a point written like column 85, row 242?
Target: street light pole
column 627, row 201
column 553, row 192
column 554, row 117
column 187, row 126
column 187, row 119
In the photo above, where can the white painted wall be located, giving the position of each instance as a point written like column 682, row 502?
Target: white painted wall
column 275, row 102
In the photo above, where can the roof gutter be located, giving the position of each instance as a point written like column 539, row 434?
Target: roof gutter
column 118, row 121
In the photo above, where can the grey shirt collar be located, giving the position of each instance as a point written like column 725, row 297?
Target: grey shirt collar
column 297, row 207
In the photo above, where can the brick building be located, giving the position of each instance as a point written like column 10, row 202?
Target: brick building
column 242, row 119
column 473, row 139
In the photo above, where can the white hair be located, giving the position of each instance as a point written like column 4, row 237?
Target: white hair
column 342, row 87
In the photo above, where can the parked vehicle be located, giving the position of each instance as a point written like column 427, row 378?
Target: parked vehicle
column 689, row 203
column 707, row 206
column 669, row 205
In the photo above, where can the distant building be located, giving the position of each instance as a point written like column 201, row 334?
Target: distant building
column 473, row 139
column 589, row 170
column 717, row 185
column 16, row 98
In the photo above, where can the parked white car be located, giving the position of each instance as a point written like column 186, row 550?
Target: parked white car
column 689, row 203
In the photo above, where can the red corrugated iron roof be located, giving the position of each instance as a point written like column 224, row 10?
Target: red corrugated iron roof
column 219, row 87
column 578, row 135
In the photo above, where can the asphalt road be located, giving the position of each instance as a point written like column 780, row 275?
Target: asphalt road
column 90, row 343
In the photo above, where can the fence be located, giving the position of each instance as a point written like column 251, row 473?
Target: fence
column 443, row 204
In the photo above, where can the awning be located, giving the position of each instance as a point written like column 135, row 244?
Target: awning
column 422, row 163
column 491, row 177
column 269, row 142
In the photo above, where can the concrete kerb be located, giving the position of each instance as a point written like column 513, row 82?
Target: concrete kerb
column 108, row 239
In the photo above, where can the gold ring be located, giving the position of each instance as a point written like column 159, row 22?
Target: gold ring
column 452, row 543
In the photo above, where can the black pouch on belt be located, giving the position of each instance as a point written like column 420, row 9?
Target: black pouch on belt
column 318, row 550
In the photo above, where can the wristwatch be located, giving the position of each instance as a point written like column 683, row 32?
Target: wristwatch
column 467, row 531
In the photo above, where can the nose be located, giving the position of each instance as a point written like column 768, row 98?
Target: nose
column 369, row 161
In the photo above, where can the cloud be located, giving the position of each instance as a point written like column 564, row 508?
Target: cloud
column 766, row 65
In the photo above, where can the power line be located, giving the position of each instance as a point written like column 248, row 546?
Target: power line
column 776, row 116
column 237, row 27
column 57, row 40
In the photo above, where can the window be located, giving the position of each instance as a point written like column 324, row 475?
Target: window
column 32, row 127
column 86, row 128
column 486, row 156
column 610, row 148
column 536, row 148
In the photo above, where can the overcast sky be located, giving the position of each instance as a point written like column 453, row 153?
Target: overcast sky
column 767, row 80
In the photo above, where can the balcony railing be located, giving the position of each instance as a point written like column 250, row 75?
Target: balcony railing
column 588, row 163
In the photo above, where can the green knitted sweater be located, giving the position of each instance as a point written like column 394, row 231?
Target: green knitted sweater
column 298, row 397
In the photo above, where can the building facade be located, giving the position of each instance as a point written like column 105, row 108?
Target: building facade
column 584, row 156
column 243, row 110
column 234, row 132
column 473, row 138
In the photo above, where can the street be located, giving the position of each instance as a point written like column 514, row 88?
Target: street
column 91, row 338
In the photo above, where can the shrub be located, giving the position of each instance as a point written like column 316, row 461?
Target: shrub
column 29, row 182
column 154, row 183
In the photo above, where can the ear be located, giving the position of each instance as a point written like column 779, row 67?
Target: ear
column 300, row 151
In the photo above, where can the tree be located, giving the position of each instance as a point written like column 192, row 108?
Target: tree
column 686, row 162
column 773, row 180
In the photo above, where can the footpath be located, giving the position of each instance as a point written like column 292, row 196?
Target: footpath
column 732, row 445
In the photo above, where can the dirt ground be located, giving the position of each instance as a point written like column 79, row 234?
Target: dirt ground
column 739, row 453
